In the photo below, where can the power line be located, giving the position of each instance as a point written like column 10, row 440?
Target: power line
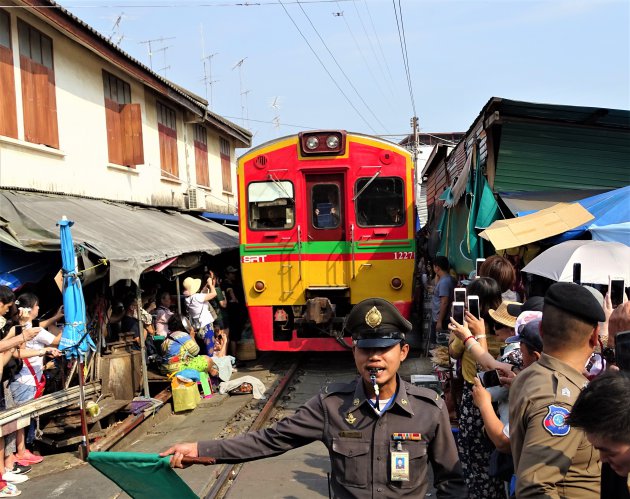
column 325, row 68
column 403, row 49
column 272, row 122
column 367, row 64
column 167, row 6
column 378, row 41
column 341, row 69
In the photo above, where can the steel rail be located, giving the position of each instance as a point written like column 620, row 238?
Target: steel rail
column 230, row 471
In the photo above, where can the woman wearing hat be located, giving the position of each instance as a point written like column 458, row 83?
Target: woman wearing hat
column 197, row 303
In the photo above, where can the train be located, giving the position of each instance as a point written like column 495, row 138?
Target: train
column 326, row 219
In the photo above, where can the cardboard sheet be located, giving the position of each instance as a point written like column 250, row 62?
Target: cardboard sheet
column 537, row 226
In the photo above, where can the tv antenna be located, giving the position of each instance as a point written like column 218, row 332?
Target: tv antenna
column 275, row 105
column 244, row 93
column 207, row 68
column 149, row 43
column 166, row 66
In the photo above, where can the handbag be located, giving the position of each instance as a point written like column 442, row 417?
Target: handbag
column 213, row 312
column 39, row 384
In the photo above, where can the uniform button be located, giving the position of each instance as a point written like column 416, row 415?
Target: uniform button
column 379, row 490
column 378, row 458
column 350, row 453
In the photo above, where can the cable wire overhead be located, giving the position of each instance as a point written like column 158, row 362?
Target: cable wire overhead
column 403, row 49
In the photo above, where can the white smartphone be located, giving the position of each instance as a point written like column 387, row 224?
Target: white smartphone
column 478, row 263
column 459, row 294
column 473, row 306
column 616, row 289
column 458, row 311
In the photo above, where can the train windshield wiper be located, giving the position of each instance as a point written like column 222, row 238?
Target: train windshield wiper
column 367, row 184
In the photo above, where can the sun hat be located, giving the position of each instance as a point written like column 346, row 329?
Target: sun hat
column 192, row 285
column 501, row 314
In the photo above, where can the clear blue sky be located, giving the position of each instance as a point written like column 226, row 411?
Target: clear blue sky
column 460, row 53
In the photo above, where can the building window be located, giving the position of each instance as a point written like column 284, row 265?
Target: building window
column 8, row 110
column 38, row 86
column 201, row 155
column 226, row 170
column 124, row 123
column 271, row 205
column 167, row 129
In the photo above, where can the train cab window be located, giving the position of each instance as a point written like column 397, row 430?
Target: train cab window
column 326, row 212
column 271, row 205
column 380, row 201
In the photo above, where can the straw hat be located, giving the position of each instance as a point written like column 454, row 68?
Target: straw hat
column 501, row 314
column 192, row 285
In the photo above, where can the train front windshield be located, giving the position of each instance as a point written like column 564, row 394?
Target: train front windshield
column 271, row 205
column 380, row 201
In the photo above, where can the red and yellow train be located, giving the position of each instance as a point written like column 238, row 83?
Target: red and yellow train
column 326, row 219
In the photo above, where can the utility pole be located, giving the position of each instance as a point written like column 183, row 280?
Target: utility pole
column 148, row 44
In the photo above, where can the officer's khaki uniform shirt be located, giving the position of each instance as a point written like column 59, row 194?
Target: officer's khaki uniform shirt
column 359, row 441
column 551, row 459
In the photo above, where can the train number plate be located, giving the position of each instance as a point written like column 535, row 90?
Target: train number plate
column 404, row 255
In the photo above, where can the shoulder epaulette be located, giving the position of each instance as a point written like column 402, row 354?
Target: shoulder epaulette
column 424, row 393
column 338, row 388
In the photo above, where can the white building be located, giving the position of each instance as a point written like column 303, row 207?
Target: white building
column 79, row 116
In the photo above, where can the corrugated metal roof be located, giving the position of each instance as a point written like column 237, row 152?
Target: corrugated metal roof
column 235, row 130
column 535, row 156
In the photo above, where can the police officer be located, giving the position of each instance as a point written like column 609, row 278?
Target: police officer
column 381, row 432
column 551, row 458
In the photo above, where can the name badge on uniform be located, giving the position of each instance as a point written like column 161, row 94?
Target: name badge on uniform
column 399, row 466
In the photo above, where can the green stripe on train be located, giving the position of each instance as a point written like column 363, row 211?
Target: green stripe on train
column 329, row 247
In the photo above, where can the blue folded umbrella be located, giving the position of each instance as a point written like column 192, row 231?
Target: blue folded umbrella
column 75, row 340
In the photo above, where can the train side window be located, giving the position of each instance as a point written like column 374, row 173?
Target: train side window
column 271, row 205
column 380, row 201
column 326, row 206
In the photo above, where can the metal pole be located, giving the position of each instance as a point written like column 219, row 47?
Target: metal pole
column 143, row 349
column 178, row 291
column 85, row 444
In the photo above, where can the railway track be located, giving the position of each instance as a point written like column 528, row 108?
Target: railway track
column 304, row 377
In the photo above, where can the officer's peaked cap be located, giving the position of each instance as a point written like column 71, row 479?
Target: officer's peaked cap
column 376, row 323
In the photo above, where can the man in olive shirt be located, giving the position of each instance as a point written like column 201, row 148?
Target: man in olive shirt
column 381, row 432
column 552, row 459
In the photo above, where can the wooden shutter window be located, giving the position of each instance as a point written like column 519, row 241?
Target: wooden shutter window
column 131, row 117
column 168, row 140
column 114, row 132
column 8, row 107
column 201, row 155
column 226, row 170
column 39, row 101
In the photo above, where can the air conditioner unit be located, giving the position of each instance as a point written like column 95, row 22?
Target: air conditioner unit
column 196, row 199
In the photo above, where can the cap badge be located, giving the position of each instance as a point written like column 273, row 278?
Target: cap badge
column 373, row 318
column 350, row 419
column 404, row 401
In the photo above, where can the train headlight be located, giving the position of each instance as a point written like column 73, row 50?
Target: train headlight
column 396, row 283
column 259, row 286
column 312, row 143
column 332, row 142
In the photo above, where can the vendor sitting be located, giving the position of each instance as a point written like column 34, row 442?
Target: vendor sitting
column 180, row 351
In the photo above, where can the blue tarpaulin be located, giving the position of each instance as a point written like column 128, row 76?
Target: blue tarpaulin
column 612, row 218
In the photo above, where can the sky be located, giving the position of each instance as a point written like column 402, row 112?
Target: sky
column 370, row 65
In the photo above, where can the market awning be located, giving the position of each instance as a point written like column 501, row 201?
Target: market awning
column 524, row 202
column 537, row 226
column 131, row 238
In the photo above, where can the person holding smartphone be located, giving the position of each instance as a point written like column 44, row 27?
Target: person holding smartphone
column 442, row 297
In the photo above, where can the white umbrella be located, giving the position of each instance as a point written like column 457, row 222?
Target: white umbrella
column 599, row 259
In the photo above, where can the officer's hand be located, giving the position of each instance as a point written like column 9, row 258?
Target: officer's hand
column 178, row 451
column 476, row 326
column 460, row 330
column 506, row 374
column 481, row 396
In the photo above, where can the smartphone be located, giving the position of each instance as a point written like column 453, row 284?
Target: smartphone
column 478, row 263
column 459, row 294
column 473, row 306
column 622, row 350
column 35, row 323
column 18, row 329
column 577, row 273
column 458, row 311
column 489, row 378
column 617, row 289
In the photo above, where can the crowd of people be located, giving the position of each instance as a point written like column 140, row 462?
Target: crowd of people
column 522, row 365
